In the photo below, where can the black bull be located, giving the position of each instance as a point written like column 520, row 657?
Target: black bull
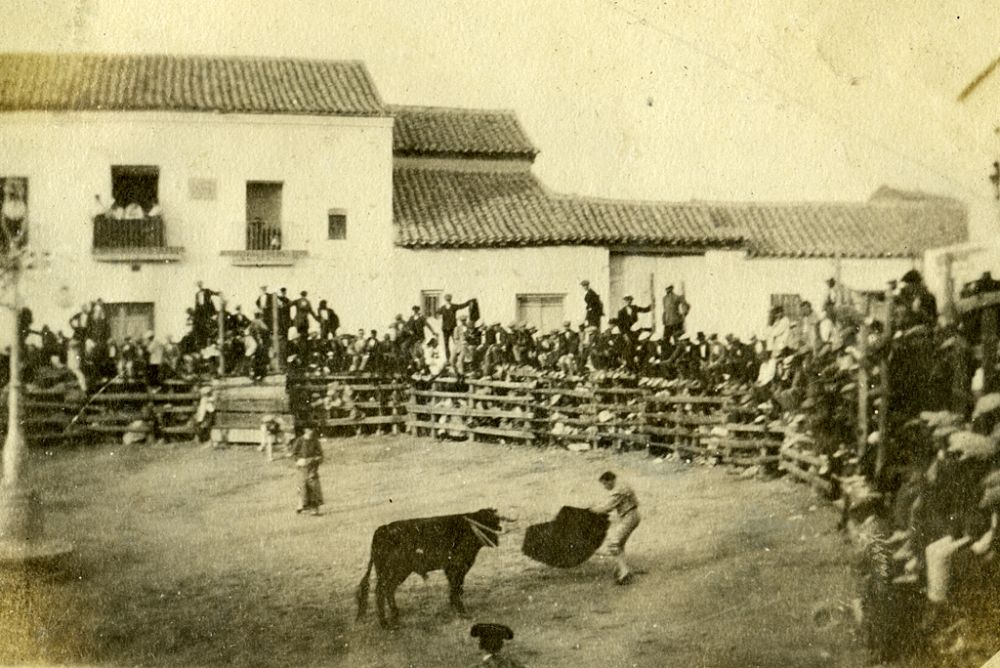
column 447, row 542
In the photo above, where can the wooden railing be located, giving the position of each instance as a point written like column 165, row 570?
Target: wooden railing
column 113, row 233
column 262, row 237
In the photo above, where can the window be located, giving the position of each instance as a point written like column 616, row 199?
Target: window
column 541, row 311
column 263, row 215
column 336, row 223
column 429, row 301
column 791, row 304
column 131, row 319
column 135, row 184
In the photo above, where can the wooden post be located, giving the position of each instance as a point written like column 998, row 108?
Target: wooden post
column 276, row 347
column 14, row 446
column 883, row 413
column 652, row 305
column 949, row 288
column 862, row 381
column 988, row 327
column 222, row 336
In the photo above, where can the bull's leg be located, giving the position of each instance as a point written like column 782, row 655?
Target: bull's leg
column 393, row 610
column 380, row 601
column 456, row 579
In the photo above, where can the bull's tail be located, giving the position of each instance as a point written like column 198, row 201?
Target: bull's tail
column 362, row 593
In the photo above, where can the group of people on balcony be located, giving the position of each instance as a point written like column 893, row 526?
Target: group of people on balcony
column 130, row 211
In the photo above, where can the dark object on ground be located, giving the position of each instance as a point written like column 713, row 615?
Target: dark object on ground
column 567, row 541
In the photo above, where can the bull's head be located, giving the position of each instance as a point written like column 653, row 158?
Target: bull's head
column 486, row 525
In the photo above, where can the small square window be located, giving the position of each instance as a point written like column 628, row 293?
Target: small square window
column 336, row 224
column 429, row 301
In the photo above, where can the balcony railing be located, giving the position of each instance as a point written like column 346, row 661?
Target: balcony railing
column 261, row 237
column 132, row 240
column 264, row 248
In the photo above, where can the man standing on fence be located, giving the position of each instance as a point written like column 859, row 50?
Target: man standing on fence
column 594, row 309
column 623, row 500
column 308, row 455
column 303, row 311
column 449, row 321
column 675, row 310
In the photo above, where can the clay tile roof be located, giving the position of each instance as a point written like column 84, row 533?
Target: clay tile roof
column 450, row 208
column 88, row 82
column 441, row 131
column 861, row 230
column 453, row 208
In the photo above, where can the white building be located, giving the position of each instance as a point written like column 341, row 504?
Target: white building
column 474, row 220
column 289, row 173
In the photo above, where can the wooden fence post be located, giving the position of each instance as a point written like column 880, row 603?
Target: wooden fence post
column 276, row 347
column 883, row 413
column 222, row 336
column 863, row 413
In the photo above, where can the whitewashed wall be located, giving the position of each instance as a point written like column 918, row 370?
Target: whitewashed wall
column 496, row 276
column 324, row 163
column 730, row 293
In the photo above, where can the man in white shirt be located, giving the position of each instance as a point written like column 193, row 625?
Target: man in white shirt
column 624, row 502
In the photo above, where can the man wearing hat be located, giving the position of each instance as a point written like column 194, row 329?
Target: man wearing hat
column 919, row 305
column 491, row 637
column 628, row 315
column 303, row 311
column 204, row 312
column 675, row 310
column 448, row 313
column 593, row 305
column 623, row 500
column 308, row 455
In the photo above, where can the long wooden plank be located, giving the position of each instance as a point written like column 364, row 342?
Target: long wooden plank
column 428, row 409
column 685, row 399
column 158, row 397
column 805, row 457
column 755, row 429
column 751, row 461
column 805, row 476
column 351, row 422
column 671, row 431
column 502, row 384
column 506, row 433
column 630, row 391
column 577, row 394
column 744, row 444
column 316, row 387
column 423, row 424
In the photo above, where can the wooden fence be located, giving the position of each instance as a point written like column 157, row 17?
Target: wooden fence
column 541, row 411
column 56, row 415
column 584, row 416
column 341, row 404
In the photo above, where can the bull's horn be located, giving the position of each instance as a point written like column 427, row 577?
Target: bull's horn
column 506, row 519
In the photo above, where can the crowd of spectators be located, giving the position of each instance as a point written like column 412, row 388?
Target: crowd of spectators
column 307, row 340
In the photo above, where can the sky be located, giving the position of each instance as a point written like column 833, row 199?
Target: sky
column 771, row 100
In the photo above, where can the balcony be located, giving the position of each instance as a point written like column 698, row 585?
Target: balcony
column 264, row 248
column 136, row 240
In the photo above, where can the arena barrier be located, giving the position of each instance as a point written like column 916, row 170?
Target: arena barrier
column 576, row 413
column 345, row 404
column 580, row 415
column 62, row 413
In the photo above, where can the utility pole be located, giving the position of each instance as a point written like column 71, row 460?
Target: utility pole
column 222, row 335
column 21, row 518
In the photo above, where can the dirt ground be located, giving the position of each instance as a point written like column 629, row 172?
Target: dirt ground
column 192, row 556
